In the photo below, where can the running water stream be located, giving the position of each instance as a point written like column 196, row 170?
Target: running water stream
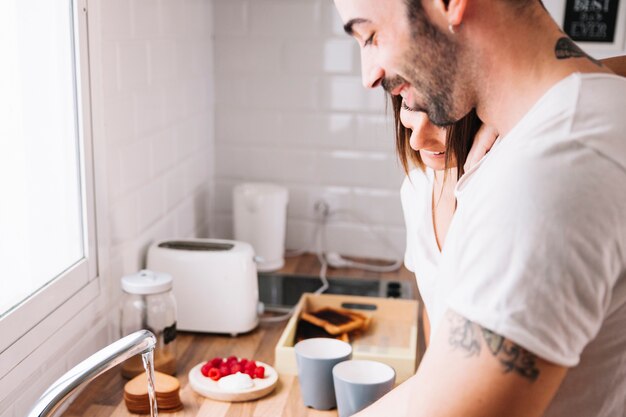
column 148, row 364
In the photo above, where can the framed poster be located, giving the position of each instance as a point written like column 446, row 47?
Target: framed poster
column 597, row 26
column 591, row 20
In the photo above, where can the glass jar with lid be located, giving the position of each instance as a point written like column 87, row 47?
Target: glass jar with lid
column 149, row 304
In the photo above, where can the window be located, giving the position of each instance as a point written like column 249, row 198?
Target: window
column 47, row 229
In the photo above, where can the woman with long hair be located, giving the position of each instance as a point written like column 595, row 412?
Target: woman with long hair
column 434, row 159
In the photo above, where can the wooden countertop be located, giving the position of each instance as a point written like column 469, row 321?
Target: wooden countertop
column 104, row 396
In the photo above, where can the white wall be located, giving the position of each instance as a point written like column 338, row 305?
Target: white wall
column 290, row 109
column 155, row 117
column 152, row 97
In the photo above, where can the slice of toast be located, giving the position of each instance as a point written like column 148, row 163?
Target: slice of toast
column 336, row 320
column 307, row 330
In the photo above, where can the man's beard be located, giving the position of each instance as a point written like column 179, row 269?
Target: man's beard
column 431, row 67
column 437, row 102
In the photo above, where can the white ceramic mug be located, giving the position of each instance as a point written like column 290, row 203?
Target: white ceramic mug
column 316, row 358
column 360, row 383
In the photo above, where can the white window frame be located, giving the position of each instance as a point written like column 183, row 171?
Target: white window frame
column 36, row 319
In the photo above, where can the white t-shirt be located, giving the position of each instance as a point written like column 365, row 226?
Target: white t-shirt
column 422, row 252
column 536, row 251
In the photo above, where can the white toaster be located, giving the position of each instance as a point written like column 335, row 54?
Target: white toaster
column 215, row 283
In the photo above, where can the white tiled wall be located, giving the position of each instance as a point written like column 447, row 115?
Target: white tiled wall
column 157, row 111
column 290, row 109
column 152, row 105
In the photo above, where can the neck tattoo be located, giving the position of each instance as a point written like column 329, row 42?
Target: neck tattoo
column 565, row 48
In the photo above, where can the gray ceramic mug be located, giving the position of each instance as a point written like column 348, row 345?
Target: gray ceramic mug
column 360, row 383
column 316, row 359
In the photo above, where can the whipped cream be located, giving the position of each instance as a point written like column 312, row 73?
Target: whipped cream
column 235, row 382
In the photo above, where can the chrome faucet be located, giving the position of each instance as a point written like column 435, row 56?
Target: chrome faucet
column 142, row 341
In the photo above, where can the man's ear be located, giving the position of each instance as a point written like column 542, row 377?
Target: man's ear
column 453, row 10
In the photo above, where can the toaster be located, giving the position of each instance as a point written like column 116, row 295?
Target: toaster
column 214, row 283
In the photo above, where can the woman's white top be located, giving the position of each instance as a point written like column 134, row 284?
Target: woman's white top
column 422, row 252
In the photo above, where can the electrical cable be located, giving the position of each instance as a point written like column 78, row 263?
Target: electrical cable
column 277, row 319
column 337, row 261
column 319, row 238
column 322, row 212
column 321, row 241
column 333, row 259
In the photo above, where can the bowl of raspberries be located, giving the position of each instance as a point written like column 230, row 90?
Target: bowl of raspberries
column 233, row 379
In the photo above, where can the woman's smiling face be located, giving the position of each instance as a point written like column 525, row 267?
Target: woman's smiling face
column 426, row 138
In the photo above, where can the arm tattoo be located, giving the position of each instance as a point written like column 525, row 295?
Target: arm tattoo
column 511, row 356
column 566, row 48
column 465, row 335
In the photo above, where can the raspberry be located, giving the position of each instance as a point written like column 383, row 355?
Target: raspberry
column 216, row 362
column 259, row 372
column 205, row 369
column 235, row 368
column 224, row 370
column 243, row 362
column 250, row 365
column 250, row 372
column 231, row 359
column 214, row 374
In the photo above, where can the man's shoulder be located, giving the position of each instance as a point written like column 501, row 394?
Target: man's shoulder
column 602, row 91
column 600, row 103
column 601, row 78
column 552, row 169
column 598, row 122
column 580, row 95
column 583, row 116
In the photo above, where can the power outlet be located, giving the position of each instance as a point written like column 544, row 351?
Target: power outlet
column 321, row 208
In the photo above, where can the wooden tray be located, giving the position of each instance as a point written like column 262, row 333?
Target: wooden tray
column 391, row 337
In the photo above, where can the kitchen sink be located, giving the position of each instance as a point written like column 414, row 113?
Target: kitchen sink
column 281, row 291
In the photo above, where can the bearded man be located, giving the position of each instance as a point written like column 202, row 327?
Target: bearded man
column 530, row 311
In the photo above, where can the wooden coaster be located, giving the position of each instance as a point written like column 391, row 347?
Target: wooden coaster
column 159, row 396
column 170, row 403
column 163, row 384
column 164, row 361
column 144, row 408
column 173, row 402
column 166, row 389
column 161, row 410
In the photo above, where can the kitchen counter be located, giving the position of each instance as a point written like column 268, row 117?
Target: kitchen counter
column 104, row 396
